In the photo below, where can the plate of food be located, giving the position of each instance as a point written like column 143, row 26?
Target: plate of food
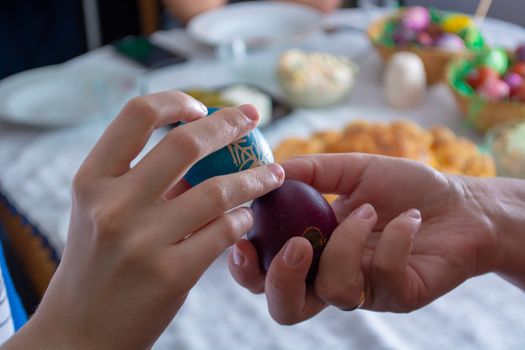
column 255, row 23
column 269, row 107
column 438, row 147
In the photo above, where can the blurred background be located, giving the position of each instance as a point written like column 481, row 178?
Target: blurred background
column 325, row 78
column 35, row 33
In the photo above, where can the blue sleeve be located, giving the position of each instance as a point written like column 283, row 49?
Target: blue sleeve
column 17, row 309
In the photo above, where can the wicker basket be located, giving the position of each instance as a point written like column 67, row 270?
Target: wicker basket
column 484, row 114
column 479, row 113
column 434, row 60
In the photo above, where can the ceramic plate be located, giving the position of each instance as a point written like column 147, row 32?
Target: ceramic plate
column 54, row 96
column 256, row 23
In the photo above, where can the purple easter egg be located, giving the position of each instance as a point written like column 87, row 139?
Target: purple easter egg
column 403, row 36
column 494, row 90
column 514, row 80
column 294, row 209
column 450, row 42
column 520, row 53
column 415, row 18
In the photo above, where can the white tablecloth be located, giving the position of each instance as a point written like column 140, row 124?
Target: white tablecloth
column 483, row 313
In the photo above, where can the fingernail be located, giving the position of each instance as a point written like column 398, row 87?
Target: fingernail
column 250, row 112
column 237, row 256
column 413, row 214
column 277, row 171
column 364, row 212
column 292, row 254
column 203, row 108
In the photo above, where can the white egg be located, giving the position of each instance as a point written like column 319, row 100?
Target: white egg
column 405, row 82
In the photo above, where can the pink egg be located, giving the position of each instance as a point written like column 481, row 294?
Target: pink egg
column 425, row 39
column 494, row 89
column 514, row 80
column 415, row 18
column 450, row 42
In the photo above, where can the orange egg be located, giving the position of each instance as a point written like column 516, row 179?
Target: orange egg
column 518, row 68
column 479, row 76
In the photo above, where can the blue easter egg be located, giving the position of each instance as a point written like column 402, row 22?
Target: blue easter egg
column 248, row 152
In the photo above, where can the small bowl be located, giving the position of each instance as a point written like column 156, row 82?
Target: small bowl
column 315, row 79
column 506, row 143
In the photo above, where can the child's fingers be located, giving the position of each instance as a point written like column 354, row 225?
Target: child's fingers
column 390, row 259
column 210, row 199
column 177, row 189
column 340, row 281
column 185, row 145
column 244, row 266
column 129, row 132
column 289, row 301
column 198, row 251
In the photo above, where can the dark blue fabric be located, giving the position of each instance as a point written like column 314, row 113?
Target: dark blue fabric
column 17, row 310
column 36, row 33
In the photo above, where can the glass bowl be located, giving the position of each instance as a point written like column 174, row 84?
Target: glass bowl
column 506, row 143
column 315, row 79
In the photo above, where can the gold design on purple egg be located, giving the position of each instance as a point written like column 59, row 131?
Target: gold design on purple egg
column 245, row 152
column 315, row 236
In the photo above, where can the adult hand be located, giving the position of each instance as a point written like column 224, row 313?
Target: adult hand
column 400, row 263
column 139, row 238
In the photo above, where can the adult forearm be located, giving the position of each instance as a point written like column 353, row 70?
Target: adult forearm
column 184, row 10
column 504, row 202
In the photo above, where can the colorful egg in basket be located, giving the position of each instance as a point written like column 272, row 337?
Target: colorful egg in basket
column 436, row 37
column 490, row 87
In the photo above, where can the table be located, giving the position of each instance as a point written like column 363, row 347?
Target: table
column 484, row 313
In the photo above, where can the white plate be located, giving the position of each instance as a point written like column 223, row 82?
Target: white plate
column 255, row 22
column 55, row 96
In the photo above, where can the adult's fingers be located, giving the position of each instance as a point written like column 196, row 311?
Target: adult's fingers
column 244, row 266
column 341, row 173
column 185, row 145
column 131, row 129
column 198, row 251
column 289, row 299
column 340, row 280
column 329, row 173
column 203, row 203
column 390, row 278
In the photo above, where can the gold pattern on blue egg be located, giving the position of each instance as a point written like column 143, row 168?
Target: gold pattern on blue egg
column 248, row 152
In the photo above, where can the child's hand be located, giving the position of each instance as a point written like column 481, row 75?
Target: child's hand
column 139, row 239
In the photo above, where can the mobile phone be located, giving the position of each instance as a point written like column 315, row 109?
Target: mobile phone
column 141, row 50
